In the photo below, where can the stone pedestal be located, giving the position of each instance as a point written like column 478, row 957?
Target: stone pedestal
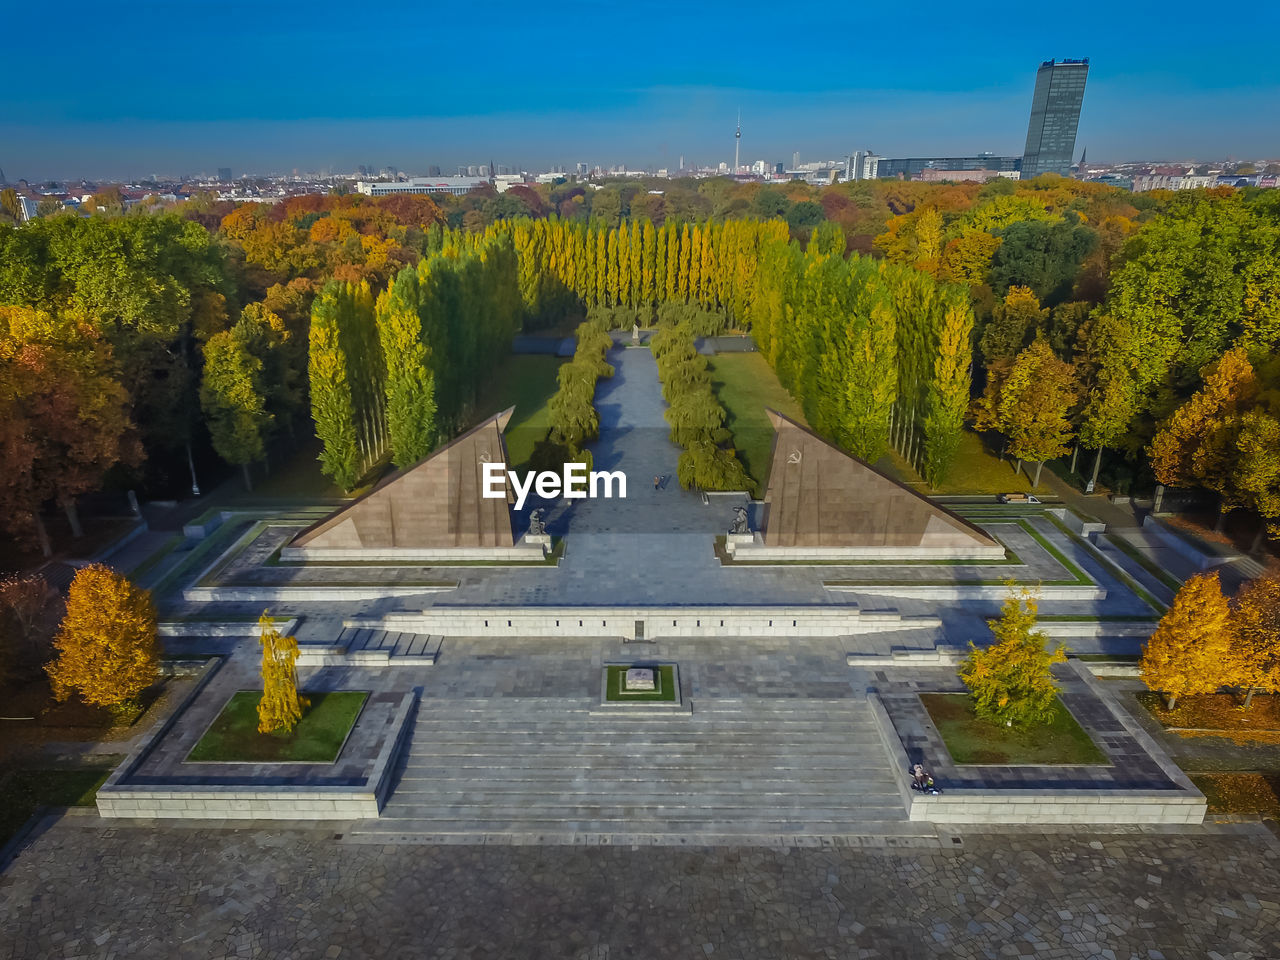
column 639, row 678
column 734, row 540
column 538, row 539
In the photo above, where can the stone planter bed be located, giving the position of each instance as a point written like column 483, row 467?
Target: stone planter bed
column 233, row 736
column 972, row 740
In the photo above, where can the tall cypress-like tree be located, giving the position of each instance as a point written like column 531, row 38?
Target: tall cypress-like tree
column 332, row 407
column 410, row 384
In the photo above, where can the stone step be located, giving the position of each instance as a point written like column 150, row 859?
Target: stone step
column 628, row 832
column 672, row 815
column 640, row 789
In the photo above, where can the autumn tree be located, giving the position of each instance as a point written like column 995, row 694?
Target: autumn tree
column 27, row 619
column 1199, row 443
column 1031, row 405
column 1191, row 650
column 106, row 645
column 1016, row 318
column 64, row 420
column 1011, row 681
column 280, row 707
column 1256, row 636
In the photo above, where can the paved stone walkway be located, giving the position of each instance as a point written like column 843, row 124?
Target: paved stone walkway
column 85, row 890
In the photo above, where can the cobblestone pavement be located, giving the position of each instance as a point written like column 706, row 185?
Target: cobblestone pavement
column 83, row 890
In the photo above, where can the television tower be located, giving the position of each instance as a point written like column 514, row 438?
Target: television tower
column 737, row 143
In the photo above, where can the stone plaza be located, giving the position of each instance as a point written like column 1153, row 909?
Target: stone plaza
column 493, row 799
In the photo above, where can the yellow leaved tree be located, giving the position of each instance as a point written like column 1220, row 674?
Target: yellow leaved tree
column 1256, row 637
column 1191, row 650
column 280, row 707
column 1011, row 682
column 106, row 644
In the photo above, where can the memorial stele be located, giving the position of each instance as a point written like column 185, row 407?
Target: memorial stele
column 431, row 511
column 823, row 504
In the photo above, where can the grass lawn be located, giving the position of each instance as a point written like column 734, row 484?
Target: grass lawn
column 745, row 385
column 1241, row 792
column 971, row 740
column 528, row 381
column 234, row 736
column 24, row 790
column 974, row 470
column 1219, row 715
column 665, row 692
column 297, row 477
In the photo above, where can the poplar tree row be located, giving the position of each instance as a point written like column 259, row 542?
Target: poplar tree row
column 575, row 422
column 877, row 354
column 396, row 374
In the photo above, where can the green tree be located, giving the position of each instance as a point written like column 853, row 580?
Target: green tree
column 1014, row 319
column 231, row 396
column 410, row 384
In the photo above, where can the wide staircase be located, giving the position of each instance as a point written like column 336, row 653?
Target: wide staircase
column 742, row 770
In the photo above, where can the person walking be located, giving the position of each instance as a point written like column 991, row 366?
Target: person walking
column 656, row 481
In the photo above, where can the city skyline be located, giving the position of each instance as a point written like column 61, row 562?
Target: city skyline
column 958, row 89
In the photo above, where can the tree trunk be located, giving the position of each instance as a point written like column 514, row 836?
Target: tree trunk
column 1017, row 467
column 1248, row 697
column 1035, row 483
column 1097, row 462
column 1222, row 517
column 248, row 479
column 191, row 465
column 73, row 516
column 1257, row 539
column 1169, row 700
column 42, row 535
column 1075, row 455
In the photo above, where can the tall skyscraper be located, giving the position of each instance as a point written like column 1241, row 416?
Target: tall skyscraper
column 1055, row 115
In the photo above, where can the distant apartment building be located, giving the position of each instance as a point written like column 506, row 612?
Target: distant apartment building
column 862, row 165
column 913, row 168
column 1055, row 116
column 933, row 175
column 1170, row 181
column 224, row 174
column 453, row 185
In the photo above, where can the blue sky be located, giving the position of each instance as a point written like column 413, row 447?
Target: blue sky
column 147, row 87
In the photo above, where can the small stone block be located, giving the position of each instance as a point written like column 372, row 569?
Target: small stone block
column 639, row 678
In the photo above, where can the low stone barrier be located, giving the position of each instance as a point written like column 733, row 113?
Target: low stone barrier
column 649, row 622
column 1057, row 806
column 961, row 591
column 303, row 594
column 247, row 800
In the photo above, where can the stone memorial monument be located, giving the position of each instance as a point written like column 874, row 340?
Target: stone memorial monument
column 639, row 678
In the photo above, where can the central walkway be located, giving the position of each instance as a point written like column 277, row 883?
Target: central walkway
column 778, row 745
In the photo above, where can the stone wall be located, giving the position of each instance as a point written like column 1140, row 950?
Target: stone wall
column 780, row 621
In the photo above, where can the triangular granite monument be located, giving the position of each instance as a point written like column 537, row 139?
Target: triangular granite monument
column 825, row 504
column 431, row 511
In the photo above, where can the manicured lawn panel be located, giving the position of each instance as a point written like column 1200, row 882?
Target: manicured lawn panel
column 234, row 736
column 974, row 470
column 745, row 385
column 25, row 790
column 973, row 740
column 666, row 692
column 526, row 381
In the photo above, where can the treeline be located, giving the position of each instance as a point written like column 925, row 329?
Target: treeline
column 697, row 418
column 393, row 376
